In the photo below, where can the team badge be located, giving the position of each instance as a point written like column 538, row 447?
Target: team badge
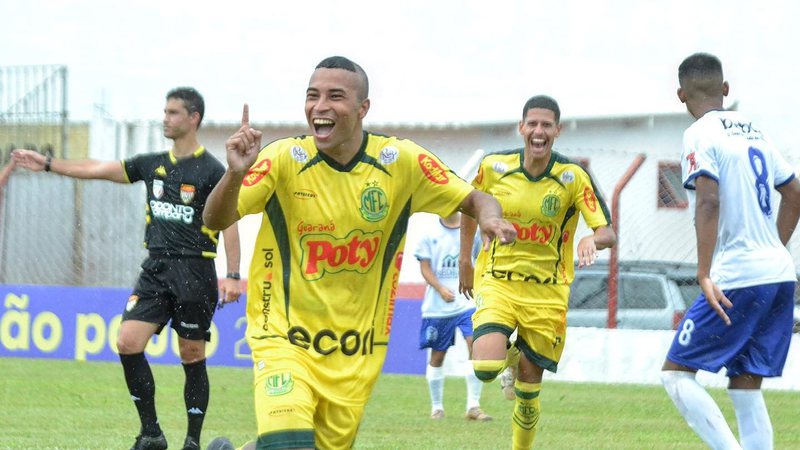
column 187, row 193
column 500, row 167
column 567, row 177
column 279, row 383
column 299, row 154
column 158, row 188
column 388, row 155
column 132, row 300
column 551, row 204
column 374, row 204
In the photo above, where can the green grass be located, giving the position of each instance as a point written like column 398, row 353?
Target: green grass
column 53, row 404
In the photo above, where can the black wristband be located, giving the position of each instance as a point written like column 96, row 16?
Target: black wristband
column 47, row 162
column 233, row 276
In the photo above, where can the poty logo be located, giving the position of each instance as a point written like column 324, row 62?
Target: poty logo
column 324, row 253
column 432, row 169
column 257, row 172
column 535, row 232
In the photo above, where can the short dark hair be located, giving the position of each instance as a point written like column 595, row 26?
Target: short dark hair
column 192, row 100
column 703, row 71
column 340, row 62
column 544, row 102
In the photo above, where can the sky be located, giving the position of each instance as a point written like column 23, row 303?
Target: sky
column 442, row 61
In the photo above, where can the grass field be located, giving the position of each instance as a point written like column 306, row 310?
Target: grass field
column 53, row 404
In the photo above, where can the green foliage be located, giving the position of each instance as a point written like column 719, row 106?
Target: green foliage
column 49, row 404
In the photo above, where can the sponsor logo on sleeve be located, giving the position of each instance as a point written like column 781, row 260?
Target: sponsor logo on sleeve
column 257, row 172
column 500, row 167
column 299, row 154
column 589, row 199
column 388, row 155
column 567, row 177
column 432, row 169
column 692, row 162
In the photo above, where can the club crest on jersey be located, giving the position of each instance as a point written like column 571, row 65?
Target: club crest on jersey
column 551, row 205
column 299, row 154
column 158, row 188
column 567, row 177
column 279, row 383
column 187, row 193
column 374, row 203
column 388, row 155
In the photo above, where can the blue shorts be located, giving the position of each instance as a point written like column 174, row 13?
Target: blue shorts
column 439, row 333
column 756, row 342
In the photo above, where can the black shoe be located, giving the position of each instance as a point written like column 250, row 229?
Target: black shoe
column 220, row 443
column 190, row 444
column 144, row 442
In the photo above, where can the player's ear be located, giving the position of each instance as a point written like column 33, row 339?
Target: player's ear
column 362, row 111
column 725, row 88
column 681, row 95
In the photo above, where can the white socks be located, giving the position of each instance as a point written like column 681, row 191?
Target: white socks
column 474, row 389
column 435, row 377
column 755, row 427
column 699, row 409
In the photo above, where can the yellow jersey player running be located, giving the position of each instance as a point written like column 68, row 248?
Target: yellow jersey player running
column 325, row 269
column 525, row 286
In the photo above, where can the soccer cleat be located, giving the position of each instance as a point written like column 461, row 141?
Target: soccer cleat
column 144, row 442
column 477, row 413
column 437, row 414
column 190, row 444
column 507, row 379
column 220, row 443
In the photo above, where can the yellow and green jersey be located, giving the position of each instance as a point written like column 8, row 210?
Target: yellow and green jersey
column 544, row 210
column 327, row 258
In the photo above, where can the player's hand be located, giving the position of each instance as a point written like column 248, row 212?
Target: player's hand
column 587, row 251
column 447, row 295
column 466, row 278
column 230, row 291
column 243, row 146
column 715, row 298
column 497, row 228
column 29, row 159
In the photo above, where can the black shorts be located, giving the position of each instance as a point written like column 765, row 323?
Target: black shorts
column 181, row 290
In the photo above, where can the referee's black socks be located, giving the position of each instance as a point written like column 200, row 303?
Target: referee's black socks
column 195, row 394
column 142, row 388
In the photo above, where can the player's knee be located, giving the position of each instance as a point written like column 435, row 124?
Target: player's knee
column 488, row 369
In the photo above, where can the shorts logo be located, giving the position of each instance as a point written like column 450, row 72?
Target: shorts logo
column 567, row 177
column 388, row 155
column 432, row 169
column 279, row 383
column 551, row 205
column 132, row 300
column 187, row 193
column 478, row 300
column 257, row 172
column 299, row 154
column 158, row 188
column 589, row 199
column 374, row 204
column 281, row 411
column 431, row 334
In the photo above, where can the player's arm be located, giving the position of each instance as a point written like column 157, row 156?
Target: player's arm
column 242, row 151
column 706, row 220
column 430, row 277
column 6, row 172
column 231, row 286
column 602, row 238
column 87, row 169
column 789, row 210
column 487, row 211
column 466, row 269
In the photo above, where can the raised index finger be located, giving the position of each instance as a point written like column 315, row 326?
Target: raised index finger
column 245, row 116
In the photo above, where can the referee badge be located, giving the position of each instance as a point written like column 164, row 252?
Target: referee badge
column 158, row 188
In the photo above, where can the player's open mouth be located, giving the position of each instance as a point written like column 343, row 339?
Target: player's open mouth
column 538, row 143
column 323, row 127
